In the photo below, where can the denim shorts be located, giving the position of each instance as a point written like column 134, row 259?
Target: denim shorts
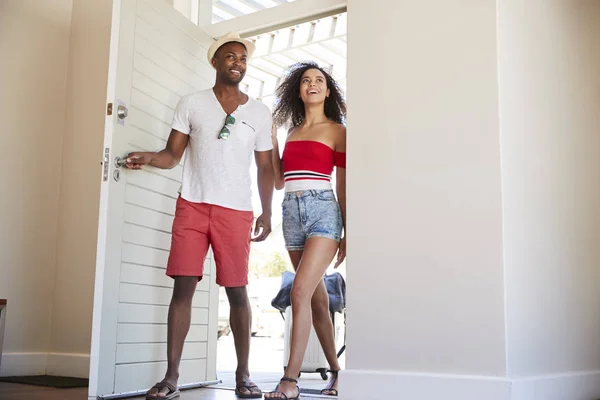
column 310, row 213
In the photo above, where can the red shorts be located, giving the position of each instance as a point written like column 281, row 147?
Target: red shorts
column 227, row 231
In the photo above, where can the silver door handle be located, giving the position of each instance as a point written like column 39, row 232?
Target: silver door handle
column 119, row 162
column 122, row 112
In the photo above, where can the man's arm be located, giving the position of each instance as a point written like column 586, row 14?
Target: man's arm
column 167, row 158
column 264, row 167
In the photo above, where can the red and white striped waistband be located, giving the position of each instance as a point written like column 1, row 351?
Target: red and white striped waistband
column 305, row 180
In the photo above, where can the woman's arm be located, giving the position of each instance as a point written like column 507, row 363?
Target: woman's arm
column 277, row 167
column 340, row 187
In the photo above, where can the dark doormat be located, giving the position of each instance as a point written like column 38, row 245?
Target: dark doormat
column 47, row 380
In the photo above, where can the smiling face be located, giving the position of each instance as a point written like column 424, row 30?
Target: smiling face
column 230, row 63
column 313, row 87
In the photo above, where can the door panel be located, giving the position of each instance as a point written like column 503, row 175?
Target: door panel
column 157, row 56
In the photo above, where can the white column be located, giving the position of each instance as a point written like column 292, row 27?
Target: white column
column 425, row 277
column 473, row 200
column 549, row 91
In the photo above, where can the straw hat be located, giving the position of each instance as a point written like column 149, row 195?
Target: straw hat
column 228, row 38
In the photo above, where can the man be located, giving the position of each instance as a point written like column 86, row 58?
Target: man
column 220, row 128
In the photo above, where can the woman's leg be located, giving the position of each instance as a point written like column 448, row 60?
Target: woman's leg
column 317, row 255
column 323, row 325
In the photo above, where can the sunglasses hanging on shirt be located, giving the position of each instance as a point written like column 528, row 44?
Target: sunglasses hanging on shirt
column 225, row 132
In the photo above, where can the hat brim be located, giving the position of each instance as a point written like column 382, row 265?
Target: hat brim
column 217, row 44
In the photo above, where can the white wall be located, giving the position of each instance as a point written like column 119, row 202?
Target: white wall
column 34, row 43
column 474, row 188
column 550, row 106
column 80, row 188
column 52, row 115
column 425, row 276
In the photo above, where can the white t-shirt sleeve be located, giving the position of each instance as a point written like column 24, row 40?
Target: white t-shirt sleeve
column 181, row 120
column 263, row 136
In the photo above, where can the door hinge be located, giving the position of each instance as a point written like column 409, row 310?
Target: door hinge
column 109, row 109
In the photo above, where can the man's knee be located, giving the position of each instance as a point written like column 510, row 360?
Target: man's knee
column 238, row 296
column 184, row 288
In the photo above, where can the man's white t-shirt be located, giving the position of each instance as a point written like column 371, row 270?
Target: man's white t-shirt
column 217, row 171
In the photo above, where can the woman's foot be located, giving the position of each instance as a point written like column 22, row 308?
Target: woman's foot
column 287, row 389
column 331, row 388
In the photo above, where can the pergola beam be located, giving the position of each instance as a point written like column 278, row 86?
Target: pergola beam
column 203, row 10
column 300, row 46
column 282, row 16
column 228, row 9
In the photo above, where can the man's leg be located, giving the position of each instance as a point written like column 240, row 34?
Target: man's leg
column 180, row 315
column 230, row 239
column 189, row 246
column 240, row 319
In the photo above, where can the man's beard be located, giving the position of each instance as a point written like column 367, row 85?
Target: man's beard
column 230, row 80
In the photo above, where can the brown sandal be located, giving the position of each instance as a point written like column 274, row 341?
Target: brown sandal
column 171, row 394
column 248, row 386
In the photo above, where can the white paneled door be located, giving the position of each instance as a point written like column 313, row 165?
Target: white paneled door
column 156, row 57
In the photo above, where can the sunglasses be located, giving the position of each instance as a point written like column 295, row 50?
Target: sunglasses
column 225, row 132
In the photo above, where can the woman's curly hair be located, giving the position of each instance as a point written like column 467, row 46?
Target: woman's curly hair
column 289, row 106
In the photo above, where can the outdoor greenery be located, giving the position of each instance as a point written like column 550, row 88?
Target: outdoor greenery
column 271, row 266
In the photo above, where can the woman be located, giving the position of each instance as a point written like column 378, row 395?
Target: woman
column 311, row 102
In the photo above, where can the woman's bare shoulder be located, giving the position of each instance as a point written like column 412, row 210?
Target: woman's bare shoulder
column 341, row 128
column 338, row 132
